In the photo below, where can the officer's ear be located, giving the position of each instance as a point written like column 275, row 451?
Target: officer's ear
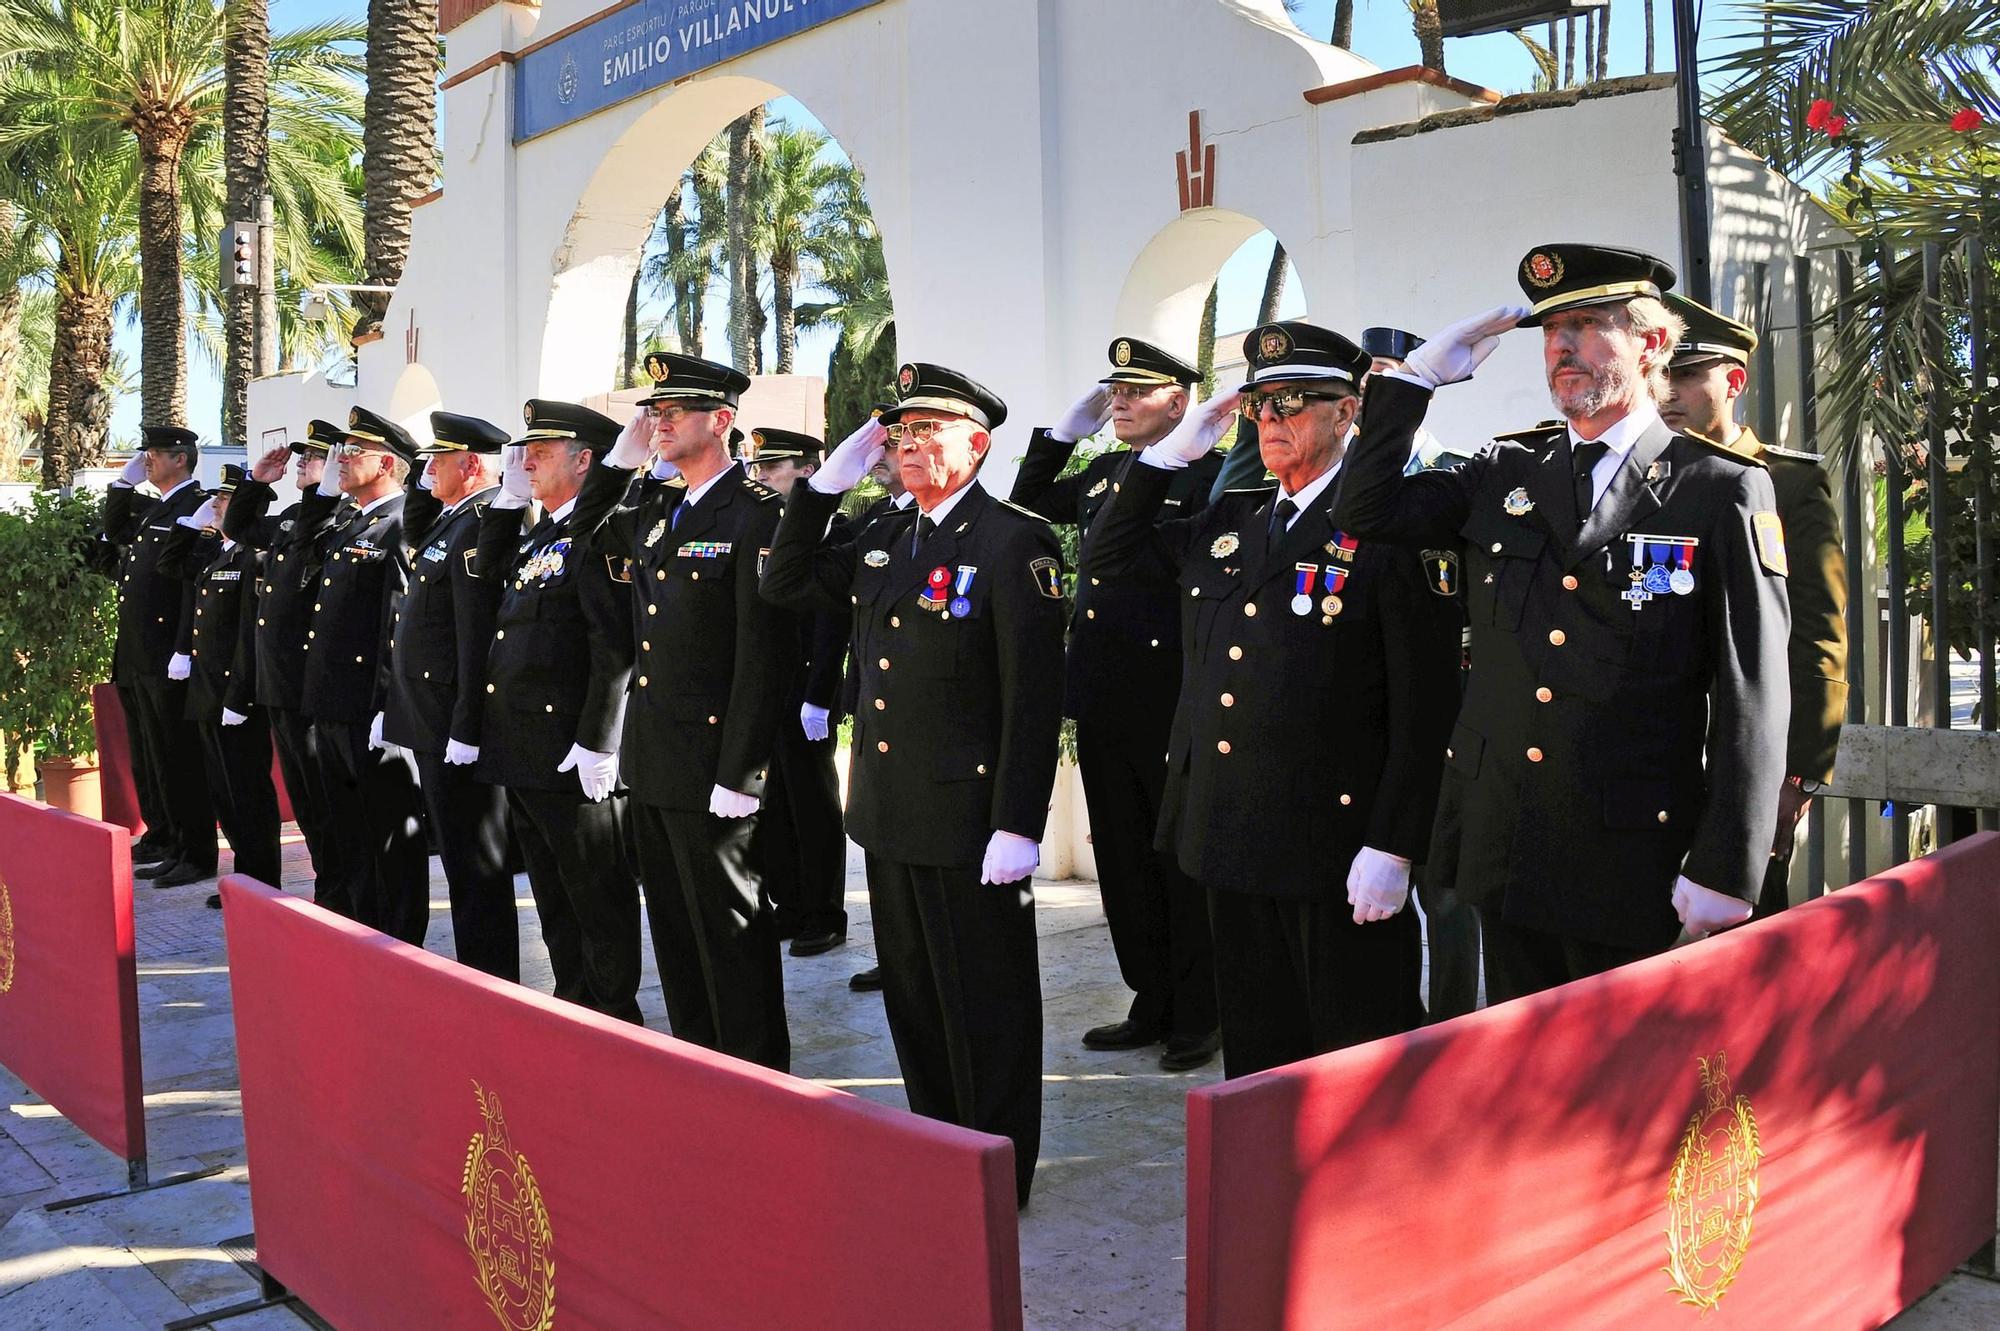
column 981, row 441
column 1737, row 378
column 724, row 418
column 1177, row 404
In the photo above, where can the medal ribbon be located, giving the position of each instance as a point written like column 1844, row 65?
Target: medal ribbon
column 1685, row 552
column 1336, row 577
column 964, row 583
column 1306, row 574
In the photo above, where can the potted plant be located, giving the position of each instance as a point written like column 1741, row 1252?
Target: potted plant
column 58, row 619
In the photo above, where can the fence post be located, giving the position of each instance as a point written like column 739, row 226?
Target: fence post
column 1898, row 654
column 1854, row 530
column 1982, row 494
column 1802, row 319
column 1937, row 481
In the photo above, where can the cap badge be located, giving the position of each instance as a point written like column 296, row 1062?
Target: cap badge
column 906, row 379
column 1122, row 353
column 1275, row 344
column 354, row 415
column 1224, row 546
column 1543, row 269
column 528, row 413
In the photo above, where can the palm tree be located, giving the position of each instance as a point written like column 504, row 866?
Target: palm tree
column 399, row 139
column 806, row 195
column 1430, row 32
column 20, row 259
column 246, row 149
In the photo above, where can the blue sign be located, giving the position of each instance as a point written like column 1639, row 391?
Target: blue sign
column 637, row 48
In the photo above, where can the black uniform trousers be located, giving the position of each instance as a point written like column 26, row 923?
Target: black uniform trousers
column 802, row 844
column 376, row 817
column 173, row 747
column 1299, row 977
column 1157, row 916
column 713, row 934
column 585, row 893
column 1521, row 961
column 238, row 759
column 292, row 735
column 468, row 821
column 962, row 986
column 1452, row 934
column 146, row 776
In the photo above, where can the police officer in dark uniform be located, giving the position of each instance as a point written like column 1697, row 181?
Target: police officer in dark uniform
column 150, row 672
column 704, row 709
column 1710, row 370
column 220, row 641
column 958, row 620
column 1613, row 777
column 555, row 690
column 437, row 684
column 371, row 785
column 803, row 846
column 1119, row 684
column 1303, row 764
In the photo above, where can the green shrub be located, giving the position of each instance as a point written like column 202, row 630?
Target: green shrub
column 58, row 621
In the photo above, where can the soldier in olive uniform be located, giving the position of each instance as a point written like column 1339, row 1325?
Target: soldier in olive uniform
column 705, row 700
column 437, row 685
column 1120, row 681
column 1710, row 370
column 220, row 641
column 556, row 680
column 372, row 798
column 151, row 673
column 1302, row 767
column 1613, row 777
column 958, row 620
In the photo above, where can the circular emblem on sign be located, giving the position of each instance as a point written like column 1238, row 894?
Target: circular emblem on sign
column 1543, row 269
column 1122, row 353
column 507, row 1227
column 1275, row 344
column 1712, row 1192
column 6, row 939
column 906, row 379
column 566, row 81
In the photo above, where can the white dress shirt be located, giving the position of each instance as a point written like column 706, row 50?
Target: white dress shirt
column 1619, row 439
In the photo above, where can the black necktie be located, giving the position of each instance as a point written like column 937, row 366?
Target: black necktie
column 1584, row 457
column 1281, row 517
column 924, row 529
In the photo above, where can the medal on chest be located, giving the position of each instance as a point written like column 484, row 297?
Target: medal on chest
column 937, row 589
column 961, row 591
column 1661, row 566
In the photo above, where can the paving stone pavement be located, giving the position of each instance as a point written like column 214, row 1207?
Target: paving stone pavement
column 1102, row 1245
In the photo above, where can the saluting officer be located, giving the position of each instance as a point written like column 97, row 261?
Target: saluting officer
column 1614, row 773
column 1120, row 681
column 294, row 546
column 219, row 640
column 437, row 685
column 371, row 785
column 554, row 704
column 705, row 700
column 1303, row 765
column 958, row 619
column 1710, row 370
column 803, row 846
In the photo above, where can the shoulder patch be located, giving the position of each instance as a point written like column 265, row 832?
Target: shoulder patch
column 619, row 568
column 1441, row 571
column 1024, row 512
column 468, row 556
column 764, row 493
column 1770, row 533
column 1047, row 573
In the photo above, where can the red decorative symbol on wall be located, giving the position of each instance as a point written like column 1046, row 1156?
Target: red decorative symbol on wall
column 410, row 339
column 1196, row 168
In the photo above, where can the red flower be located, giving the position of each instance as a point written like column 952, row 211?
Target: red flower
column 1967, row 120
column 1836, row 126
column 1817, row 113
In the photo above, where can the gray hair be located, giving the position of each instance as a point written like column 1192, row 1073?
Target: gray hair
column 1646, row 315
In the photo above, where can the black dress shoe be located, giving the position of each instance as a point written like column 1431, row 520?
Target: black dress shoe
column 1127, row 1034
column 156, row 869
column 811, row 945
column 182, row 874
column 1186, row 1052
column 214, row 901
column 149, row 852
column 863, row 982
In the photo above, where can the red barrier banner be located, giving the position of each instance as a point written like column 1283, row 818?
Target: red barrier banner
column 430, row 1147
column 1791, row 1125
column 69, row 990
column 114, row 761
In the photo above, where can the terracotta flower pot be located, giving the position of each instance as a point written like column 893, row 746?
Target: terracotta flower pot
column 72, row 784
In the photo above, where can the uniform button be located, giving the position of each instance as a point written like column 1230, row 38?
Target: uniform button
column 1558, row 637
column 548, row 707
column 880, row 705
column 489, row 688
column 1544, row 695
column 642, row 681
column 854, row 600
column 713, row 720
column 1228, row 700
column 1222, row 746
column 281, row 559
column 1569, row 582
column 895, row 621
column 645, row 646
column 982, row 769
column 1194, row 591
column 427, row 674
column 1347, row 799
column 357, row 660
column 1662, row 815
column 1447, row 753
column 260, row 623
column 881, row 746
column 1236, row 653
column 1090, row 614
column 695, row 576
column 499, row 634
column 1093, row 582
column 652, row 610
column 660, row 574
column 312, row 633
column 882, row 664
column 1496, row 547
column 1534, row 755
column 1156, row 642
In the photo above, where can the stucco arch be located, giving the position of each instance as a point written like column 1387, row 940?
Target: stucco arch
column 413, row 399
column 1168, row 282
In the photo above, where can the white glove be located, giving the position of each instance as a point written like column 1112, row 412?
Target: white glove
column 664, row 470
column 1378, row 884
column 329, row 478
column 133, row 471
column 596, row 772
column 375, row 740
column 204, row 517
column 179, row 665
column 460, row 755
column 813, row 720
column 635, row 443
column 230, row 718
column 1703, row 912
column 856, row 455
column 515, row 492
column 1199, row 431
column 1453, row 354
column 726, row 803
column 1085, row 417
column 1009, row 858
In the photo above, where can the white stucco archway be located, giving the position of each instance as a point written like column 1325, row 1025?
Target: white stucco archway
column 1168, row 282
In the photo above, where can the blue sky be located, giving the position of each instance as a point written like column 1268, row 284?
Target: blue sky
column 1382, row 35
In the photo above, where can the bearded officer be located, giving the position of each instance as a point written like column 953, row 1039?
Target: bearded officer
column 705, row 704
column 437, row 685
column 1614, row 774
column 555, row 690
column 372, row 799
column 1312, row 663
column 1710, row 370
column 1120, row 681
column 957, row 605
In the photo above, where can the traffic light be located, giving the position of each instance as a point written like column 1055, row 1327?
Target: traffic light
column 239, row 254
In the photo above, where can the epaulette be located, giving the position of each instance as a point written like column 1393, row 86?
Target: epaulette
column 1024, row 512
column 1533, row 434
column 1795, row 454
column 1724, row 449
column 764, row 493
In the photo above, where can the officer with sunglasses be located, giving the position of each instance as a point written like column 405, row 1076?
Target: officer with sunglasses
column 1303, row 765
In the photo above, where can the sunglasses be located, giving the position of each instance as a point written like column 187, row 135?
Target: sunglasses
column 1284, row 404
column 673, row 413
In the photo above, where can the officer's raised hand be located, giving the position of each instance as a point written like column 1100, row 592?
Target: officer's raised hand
column 202, row 518
column 271, row 466
column 515, row 487
column 847, row 464
column 726, row 803
column 1378, row 885
column 1452, row 354
column 1197, row 434
column 1086, row 416
column 1703, row 911
column 635, row 443
column 1009, row 858
column 133, row 471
